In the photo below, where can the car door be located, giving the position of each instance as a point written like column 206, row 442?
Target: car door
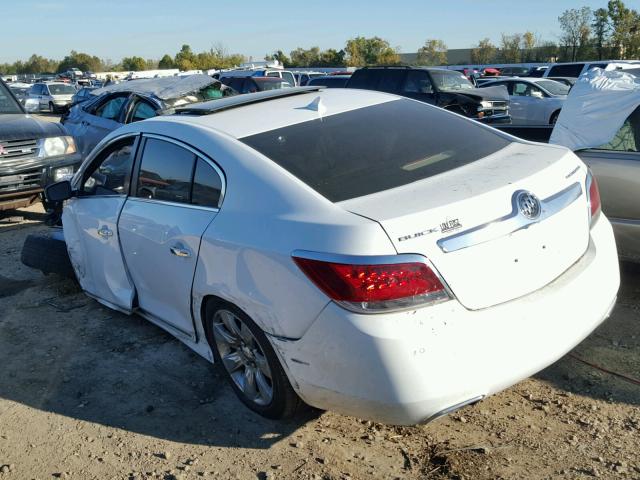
column 417, row 85
column 527, row 104
column 44, row 97
column 616, row 166
column 100, row 119
column 177, row 193
column 90, row 225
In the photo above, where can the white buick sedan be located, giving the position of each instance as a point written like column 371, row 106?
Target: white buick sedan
column 357, row 251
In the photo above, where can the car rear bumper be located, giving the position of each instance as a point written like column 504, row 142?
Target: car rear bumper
column 411, row 367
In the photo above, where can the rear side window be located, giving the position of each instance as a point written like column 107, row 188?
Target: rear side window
column 376, row 148
column 571, row 70
column 365, row 79
column 207, row 185
column 165, row 172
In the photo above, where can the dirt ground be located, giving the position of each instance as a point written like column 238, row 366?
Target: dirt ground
column 89, row 393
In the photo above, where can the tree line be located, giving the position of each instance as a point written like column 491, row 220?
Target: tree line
column 585, row 34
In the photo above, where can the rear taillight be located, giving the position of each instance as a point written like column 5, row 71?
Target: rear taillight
column 594, row 197
column 375, row 287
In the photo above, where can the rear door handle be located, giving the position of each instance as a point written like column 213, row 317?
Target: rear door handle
column 180, row 251
column 105, row 232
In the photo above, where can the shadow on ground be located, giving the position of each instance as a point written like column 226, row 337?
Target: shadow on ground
column 614, row 346
column 64, row 353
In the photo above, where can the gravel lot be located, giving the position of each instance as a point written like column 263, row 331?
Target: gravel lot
column 89, row 393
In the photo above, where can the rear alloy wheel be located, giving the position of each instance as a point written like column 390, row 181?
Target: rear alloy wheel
column 251, row 364
column 52, row 108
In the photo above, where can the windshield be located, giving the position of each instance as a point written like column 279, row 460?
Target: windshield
column 450, row 81
column 211, row 92
column 372, row 149
column 60, row 89
column 7, row 103
column 553, row 87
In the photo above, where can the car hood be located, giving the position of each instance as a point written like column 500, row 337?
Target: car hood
column 19, row 126
column 498, row 93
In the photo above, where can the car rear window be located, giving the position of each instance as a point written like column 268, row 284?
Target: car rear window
column 569, row 70
column 376, row 148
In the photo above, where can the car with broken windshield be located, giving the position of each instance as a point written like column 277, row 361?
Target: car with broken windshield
column 322, row 253
column 135, row 100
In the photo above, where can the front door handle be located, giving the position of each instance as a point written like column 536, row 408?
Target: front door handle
column 180, row 251
column 105, row 232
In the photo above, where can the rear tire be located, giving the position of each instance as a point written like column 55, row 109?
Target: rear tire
column 554, row 117
column 249, row 362
column 52, row 108
column 48, row 255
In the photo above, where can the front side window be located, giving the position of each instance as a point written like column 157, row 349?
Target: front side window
column 417, row 82
column 110, row 173
column 627, row 139
column 375, row 148
column 166, row 170
column 7, row 103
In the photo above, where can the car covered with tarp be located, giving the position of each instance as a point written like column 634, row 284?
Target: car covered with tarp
column 600, row 121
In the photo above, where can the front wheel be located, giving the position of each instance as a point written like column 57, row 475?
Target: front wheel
column 52, row 108
column 250, row 363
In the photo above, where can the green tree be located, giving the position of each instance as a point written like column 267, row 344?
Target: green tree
column 135, row 64
column 547, row 52
column 510, row 48
column 166, row 62
column 331, row 58
column 601, row 31
column 529, row 44
column 361, row 51
column 83, row 61
column 185, row 59
column 625, row 30
column 484, row 53
column 576, row 30
column 301, row 57
column 433, row 52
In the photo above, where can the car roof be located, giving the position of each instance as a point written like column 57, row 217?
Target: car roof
column 249, row 114
column 164, row 88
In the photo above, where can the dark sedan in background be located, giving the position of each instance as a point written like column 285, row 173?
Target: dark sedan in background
column 330, row 81
column 33, row 153
column 135, row 100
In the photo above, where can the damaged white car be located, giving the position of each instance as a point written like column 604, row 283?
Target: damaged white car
column 358, row 251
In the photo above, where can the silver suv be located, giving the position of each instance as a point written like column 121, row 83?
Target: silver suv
column 49, row 97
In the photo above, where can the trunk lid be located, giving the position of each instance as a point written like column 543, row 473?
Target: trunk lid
column 468, row 222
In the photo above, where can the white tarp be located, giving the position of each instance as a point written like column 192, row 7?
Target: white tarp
column 596, row 108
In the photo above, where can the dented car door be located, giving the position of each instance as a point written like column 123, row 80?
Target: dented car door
column 90, row 225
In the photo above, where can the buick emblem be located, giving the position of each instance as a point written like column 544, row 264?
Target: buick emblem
column 528, row 205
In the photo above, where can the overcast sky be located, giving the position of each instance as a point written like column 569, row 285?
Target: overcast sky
column 112, row 29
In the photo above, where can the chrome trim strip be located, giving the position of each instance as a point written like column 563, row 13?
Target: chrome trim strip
column 172, row 329
column 173, row 204
column 512, row 222
column 453, row 408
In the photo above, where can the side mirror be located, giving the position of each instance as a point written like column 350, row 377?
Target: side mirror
column 59, row 191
